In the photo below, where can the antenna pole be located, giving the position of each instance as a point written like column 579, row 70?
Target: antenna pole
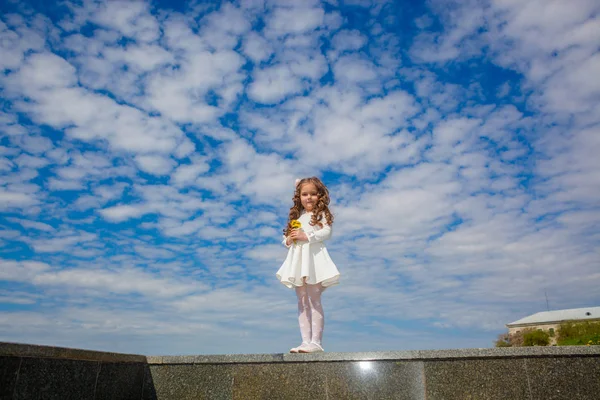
column 547, row 304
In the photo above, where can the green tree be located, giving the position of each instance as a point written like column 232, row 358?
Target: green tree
column 503, row 340
column 536, row 338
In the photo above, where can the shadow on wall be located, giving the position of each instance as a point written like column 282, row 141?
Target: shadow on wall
column 39, row 372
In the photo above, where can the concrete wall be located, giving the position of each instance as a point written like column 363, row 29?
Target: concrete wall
column 504, row 373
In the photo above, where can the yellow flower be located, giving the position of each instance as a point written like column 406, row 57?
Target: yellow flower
column 295, row 224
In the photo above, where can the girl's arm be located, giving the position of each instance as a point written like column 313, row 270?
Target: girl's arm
column 320, row 235
column 285, row 242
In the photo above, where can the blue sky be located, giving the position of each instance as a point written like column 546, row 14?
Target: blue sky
column 148, row 152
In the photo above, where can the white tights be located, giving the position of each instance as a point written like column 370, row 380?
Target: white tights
column 310, row 312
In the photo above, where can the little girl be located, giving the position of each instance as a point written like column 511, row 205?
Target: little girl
column 308, row 267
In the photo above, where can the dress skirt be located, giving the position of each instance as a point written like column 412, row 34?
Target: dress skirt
column 308, row 263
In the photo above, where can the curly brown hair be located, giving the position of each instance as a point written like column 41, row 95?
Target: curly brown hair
column 321, row 208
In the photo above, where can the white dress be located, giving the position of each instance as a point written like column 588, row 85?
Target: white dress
column 309, row 259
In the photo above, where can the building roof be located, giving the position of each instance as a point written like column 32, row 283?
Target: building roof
column 572, row 314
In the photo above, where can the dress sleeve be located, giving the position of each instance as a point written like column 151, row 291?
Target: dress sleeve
column 320, row 235
column 284, row 242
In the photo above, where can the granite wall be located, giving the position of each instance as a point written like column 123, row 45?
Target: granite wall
column 569, row 373
column 32, row 372
column 40, row 372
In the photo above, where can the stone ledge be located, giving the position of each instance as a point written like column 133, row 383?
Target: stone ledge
column 36, row 351
column 409, row 355
column 32, row 351
column 561, row 373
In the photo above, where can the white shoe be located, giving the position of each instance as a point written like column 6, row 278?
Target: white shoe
column 301, row 348
column 311, row 348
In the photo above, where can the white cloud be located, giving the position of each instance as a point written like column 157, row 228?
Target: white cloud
column 110, row 192
column 175, row 204
column 453, row 131
column 503, row 90
column 142, row 57
column 124, row 281
column 349, row 40
column 186, row 174
column 123, row 212
column 88, row 116
column 272, row 253
column 14, row 43
column 312, row 66
column 354, row 69
column 131, row 18
column 357, row 137
column 260, row 177
column 228, row 19
column 6, row 164
column 154, row 164
column 176, row 228
column 21, row 271
column 391, row 111
column 181, row 94
column 273, row 84
column 32, row 224
column 34, row 144
column 11, row 199
column 25, row 160
column 457, row 40
column 10, row 126
column 46, row 71
column 285, row 21
column 102, row 195
column 61, row 243
column 581, row 79
column 256, row 47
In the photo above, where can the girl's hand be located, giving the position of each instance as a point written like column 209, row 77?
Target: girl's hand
column 298, row 234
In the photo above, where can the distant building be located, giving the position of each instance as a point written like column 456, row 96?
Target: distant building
column 551, row 320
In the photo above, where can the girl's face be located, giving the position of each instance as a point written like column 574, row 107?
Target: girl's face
column 309, row 196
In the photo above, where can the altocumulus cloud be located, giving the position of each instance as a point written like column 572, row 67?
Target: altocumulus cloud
column 148, row 152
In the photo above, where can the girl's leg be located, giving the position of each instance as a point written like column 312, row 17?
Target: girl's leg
column 317, row 315
column 304, row 314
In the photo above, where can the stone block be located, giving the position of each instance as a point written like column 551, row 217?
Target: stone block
column 278, row 381
column 374, row 380
column 476, row 379
column 56, row 379
column 9, row 366
column 148, row 391
column 329, row 380
column 564, row 378
column 189, row 381
column 120, row 381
